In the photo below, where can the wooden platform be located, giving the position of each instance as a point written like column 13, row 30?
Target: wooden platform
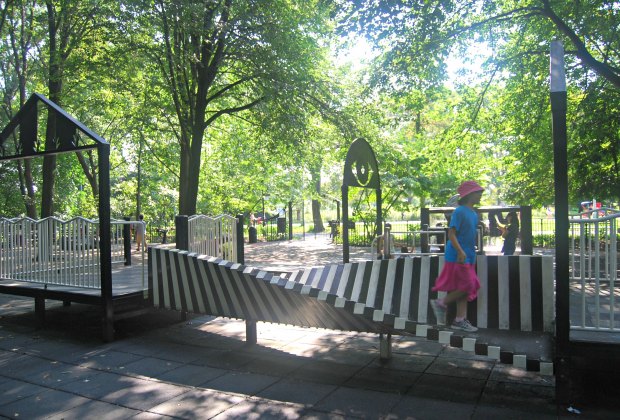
column 129, row 291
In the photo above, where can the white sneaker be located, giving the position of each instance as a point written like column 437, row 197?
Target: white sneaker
column 439, row 311
column 463, row 325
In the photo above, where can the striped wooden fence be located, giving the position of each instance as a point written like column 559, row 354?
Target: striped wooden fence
column 382, row 296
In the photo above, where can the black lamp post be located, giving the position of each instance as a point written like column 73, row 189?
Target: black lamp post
column 560, row 166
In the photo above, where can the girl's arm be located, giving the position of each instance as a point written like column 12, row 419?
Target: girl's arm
column 460, row 254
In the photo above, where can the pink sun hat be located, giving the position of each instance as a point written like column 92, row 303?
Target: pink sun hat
column 468, row 187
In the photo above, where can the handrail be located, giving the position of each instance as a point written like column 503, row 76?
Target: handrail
column 58, row 252
column 594, row 270
column 213, row 236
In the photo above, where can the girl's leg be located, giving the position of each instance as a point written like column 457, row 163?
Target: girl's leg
column 454, row 296
column 461, row 309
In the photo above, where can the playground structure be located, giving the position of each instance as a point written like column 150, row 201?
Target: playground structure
column 230, row 289
column 594, row 272
column 485, row 212
column 382, row 296
column 56, row 252
column 212, row 235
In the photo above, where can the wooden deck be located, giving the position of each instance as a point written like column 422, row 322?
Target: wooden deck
column 129, row 283
column 129, row 294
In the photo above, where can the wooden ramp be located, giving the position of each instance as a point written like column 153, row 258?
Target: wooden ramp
column 514, row 310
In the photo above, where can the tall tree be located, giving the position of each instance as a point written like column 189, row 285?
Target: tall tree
column 417, row 38
column 70, row 23
column 20, row 19
column 222, row 58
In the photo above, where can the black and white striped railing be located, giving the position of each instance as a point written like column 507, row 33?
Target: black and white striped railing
column 516, row 292
column 374, row 296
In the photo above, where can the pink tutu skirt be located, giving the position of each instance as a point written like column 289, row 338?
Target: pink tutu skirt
column 455, row 276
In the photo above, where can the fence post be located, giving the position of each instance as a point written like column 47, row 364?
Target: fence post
column 240, row 240
column 181, row 223
column 127, row 241
column 290, row 220
column 526, row 230
column 425, row 220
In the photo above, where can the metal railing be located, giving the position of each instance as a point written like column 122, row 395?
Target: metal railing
column 411, row 242
column 213, row 236
column 58, row 252
column 594, row 269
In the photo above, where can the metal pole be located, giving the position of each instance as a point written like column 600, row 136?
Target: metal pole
column 425, row 220
column 240, row 240
column 290, row 220
column 103, row 152
column 127, row 241
column 527, row 247
column 560, row 165
column 345, row 224
column 379, row 223
column 303, row 218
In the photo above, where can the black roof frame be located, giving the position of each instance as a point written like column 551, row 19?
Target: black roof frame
column 67, row 127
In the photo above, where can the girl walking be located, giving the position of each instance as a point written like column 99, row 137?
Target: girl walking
column 458, row 276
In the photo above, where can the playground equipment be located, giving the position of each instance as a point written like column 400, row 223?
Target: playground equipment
column 383, row 296
column 360, row 170
column 486, row 212
column 51, row 251
column 594, row 270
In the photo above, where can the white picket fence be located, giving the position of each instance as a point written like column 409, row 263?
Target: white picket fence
column 594, row 270
column 58, row 252
column 213, row 236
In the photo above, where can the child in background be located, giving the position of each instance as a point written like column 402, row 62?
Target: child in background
column 140, row 228
column 510, row 233
column 458, row 276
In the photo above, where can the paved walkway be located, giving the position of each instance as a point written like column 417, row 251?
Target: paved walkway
column 201, row 369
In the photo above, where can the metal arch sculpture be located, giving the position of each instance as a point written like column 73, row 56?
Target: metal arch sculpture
column 360, row 170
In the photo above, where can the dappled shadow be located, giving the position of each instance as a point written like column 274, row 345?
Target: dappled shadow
column 298, row 254
column 80, row 321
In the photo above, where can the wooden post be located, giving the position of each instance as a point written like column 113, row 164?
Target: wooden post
column 181, row 223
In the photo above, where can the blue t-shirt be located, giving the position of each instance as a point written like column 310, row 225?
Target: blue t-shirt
column 465, row 221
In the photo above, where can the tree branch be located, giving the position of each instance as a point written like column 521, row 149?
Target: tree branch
column 599, row 67
column 232, row 111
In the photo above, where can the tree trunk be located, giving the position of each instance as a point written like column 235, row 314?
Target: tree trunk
column 49, row 170
column 90, row 170
column 184, row 197
column 316, row 203
column 26, row 186
column 139, row 186
column 316, row 216
column 26, row 179
column 55, row 89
